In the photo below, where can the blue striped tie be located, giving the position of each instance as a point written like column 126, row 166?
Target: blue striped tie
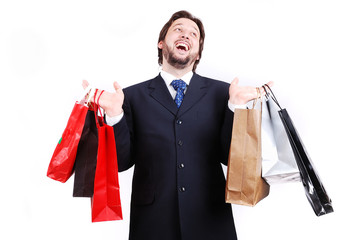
column 179, row 85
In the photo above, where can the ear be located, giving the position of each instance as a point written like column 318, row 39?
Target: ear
column 160, row 45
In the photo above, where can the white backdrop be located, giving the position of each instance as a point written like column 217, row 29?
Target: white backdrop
column 309, row 48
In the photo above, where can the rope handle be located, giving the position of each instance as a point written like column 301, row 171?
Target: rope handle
column 96, row 108
column 98, row 103
column 259, row 96
column 270, row 94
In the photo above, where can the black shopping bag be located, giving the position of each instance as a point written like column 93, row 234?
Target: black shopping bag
column 86, row 158
column 313, row 186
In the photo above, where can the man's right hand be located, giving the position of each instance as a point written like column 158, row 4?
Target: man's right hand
column 110, row 102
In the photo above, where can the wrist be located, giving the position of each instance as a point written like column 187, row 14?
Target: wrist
column 111, row 121
column 232, row 107
column 114, row 112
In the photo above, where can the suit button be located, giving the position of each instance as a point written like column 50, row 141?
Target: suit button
column 181, row 165
column 179, row 122
column 182, row 189
column 180, row 142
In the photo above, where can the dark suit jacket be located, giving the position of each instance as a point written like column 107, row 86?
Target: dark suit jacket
column 178, row 189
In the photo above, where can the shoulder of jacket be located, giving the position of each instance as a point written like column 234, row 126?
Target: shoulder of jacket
column 212, row 80
column 140, row 85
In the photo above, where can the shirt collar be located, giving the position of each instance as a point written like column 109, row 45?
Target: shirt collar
column 169, row 77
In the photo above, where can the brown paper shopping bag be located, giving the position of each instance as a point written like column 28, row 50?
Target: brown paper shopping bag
column 245, row 185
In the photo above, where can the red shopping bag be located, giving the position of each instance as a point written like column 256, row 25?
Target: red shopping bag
column 63, row 158
column 106, row 202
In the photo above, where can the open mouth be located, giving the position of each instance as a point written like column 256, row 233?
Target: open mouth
column 183, row 46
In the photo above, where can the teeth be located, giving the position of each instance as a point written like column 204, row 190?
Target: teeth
column 183, row 45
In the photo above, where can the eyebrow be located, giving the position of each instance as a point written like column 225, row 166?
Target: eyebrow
column 181, row 24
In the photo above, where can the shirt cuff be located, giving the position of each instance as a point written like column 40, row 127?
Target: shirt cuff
column 111, row 121
column 232, row 106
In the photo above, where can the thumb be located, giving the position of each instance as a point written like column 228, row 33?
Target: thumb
column 117, row 87
column 235, row 81
column 85, row 84
column 234, row 84
column 270, row 84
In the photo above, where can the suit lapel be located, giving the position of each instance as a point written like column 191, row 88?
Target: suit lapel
column 159, row 91
column 196, row 90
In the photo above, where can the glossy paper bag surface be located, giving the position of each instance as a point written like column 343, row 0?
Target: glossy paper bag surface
column 106, row 202
column 86, row 158
column 63, row 158
column 313, row 186
column 278, row 161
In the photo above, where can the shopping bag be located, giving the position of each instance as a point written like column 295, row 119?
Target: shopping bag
column 313, row 186
column 245, row 185
column 86, row 158
column 63, row 158
column 278, row 161
column 106, row 203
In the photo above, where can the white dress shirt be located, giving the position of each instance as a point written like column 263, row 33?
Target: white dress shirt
column 168, row 78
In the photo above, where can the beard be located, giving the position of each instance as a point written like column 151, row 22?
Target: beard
column 177, row 62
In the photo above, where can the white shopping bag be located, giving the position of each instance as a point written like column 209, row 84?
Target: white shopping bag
column 278, row 162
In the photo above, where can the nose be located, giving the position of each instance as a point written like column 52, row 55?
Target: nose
column 185, row 35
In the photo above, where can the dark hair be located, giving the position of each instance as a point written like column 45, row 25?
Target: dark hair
column 163, row 33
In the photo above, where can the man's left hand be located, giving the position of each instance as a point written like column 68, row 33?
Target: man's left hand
column 241, row 95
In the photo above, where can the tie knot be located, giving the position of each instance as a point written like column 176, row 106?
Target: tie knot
column 179, row 84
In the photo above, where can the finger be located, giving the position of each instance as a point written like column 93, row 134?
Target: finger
column 263, row 91
column 270, row 84
column 85, row 84
column 117, row 87
column 235, row 81
column 91, row 95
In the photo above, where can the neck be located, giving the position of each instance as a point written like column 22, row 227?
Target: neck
column 178, row 73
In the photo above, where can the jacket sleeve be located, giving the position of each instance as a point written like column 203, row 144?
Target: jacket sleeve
column 226, row 135
column 123, row 137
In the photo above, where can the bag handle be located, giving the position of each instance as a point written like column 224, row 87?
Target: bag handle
column 259, row 96
column 87, row 94
column 98, row 103
column 96, row 108
column 271, row 94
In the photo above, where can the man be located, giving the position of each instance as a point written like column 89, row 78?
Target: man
column 177, row 140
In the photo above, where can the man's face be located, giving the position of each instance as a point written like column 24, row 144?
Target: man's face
column 181, row 45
